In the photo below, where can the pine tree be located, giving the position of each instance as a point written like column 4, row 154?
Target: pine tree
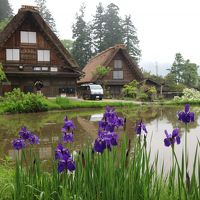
column 5, row 10
column 177, row 67
column 46, row 14
column 98, row 28
column 130, row 38
column 189, row 74
column 113, row 27
column 82, row 45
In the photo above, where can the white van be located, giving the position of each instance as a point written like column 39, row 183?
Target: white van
column 90, row 91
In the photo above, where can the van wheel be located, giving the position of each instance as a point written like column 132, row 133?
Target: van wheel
column 100, row 98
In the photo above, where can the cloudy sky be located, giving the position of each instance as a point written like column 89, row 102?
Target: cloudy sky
column 164, row 27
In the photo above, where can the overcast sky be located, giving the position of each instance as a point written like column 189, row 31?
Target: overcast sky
column 164, row 27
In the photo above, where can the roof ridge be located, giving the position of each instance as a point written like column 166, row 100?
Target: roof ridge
column 117, row 46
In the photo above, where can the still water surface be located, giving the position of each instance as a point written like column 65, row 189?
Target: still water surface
column 48, row 127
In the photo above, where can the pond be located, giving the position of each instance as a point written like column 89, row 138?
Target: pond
column 48, row 126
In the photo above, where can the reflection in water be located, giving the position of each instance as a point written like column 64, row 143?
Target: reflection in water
column 48, row 126
column 96, row 117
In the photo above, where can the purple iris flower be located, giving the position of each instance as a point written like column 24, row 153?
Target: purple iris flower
column 61, row 152
column 68, row 137
column 99, row 145
column 172, row 138
column 24, row 133
column 68, row 125
column 120, row 122
column 107, row 137
column 18, row 144
column 33, row 139
column 105, row 140
column 110, row 138
column 110, row 112
column 140, row 127
column 65, row 159
column 186, row 116
column 68, row 164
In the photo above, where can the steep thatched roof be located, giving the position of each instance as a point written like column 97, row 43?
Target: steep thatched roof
column 104, row 58
column 32, row 11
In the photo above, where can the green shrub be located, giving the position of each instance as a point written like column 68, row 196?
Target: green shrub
column 142, row 96
column 189, row 96
column 18, row 102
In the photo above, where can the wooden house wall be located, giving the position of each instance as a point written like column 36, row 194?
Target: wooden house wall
column 127, row 72
column 28, row 59
column 115, row 86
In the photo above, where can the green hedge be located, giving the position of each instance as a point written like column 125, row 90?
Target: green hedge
column 19, row 102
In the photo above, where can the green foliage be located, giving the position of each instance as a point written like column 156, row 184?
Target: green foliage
column 82, row 45
column 68, row 44
column 101, row 71
column 191, row 96
column 131, row 89
column 177, row 67
column 113, row 31
column 3, row 23
column 46, row 14
column 105, row 30
column 19, row 102
column 182, row 72
column 5, row 10
column 139, row 92
column 142, row 96
column 189, row 74
column 130, row 38
column 127, row 172
column 2, row 74
column 98, row 28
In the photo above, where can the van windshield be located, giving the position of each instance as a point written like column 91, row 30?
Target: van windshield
column 95, row 87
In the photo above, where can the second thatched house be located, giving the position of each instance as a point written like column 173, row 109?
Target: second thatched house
column 123, row 69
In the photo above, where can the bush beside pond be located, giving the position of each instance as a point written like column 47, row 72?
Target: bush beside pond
column 19, row 102
column 190, row 96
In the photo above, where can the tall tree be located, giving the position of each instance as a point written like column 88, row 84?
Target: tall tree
column 98, row 28
column 177, row 67
column 68, row 44
column 3, row 23
column 46, row 14
column 130, row 38
column 113, row 27
column 189, row 74
column 5, row 10
column 82, row 46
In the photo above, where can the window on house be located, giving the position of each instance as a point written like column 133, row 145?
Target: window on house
column 37, row 68
column 12, row 54
column 54, row 69
column 118, row 64
column 43, row 55
column 28, row 37
column 45, row 68
column 118, row 75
